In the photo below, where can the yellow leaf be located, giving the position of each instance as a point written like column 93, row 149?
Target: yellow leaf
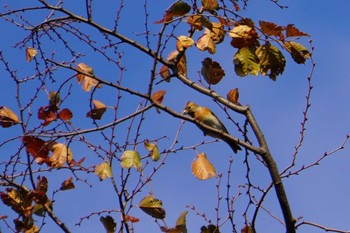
column 103, row 170
column 183, row 42
column 86, row 80
column 98, row 111
column 30, row 53
column 153, row 207
column 7, row 117
column 131, row 158
column 202, row 168
column 61, row 154
column 153, row 149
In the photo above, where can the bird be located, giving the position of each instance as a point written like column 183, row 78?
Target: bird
column 205, row 116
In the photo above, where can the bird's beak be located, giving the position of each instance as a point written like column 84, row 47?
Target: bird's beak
column 184, row 111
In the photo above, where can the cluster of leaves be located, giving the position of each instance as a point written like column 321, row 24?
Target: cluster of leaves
column 255, row 53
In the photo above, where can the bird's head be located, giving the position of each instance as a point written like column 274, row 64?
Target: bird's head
column 190, row 108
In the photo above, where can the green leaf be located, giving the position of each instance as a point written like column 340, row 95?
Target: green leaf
column 103, row 170
column 130, row 159
column 272, row 61
column 108, row 223
column 153, row 149
column 153, row 207
column 298, row 51
column 246, row 62
column 181, row 222
column 210, row 5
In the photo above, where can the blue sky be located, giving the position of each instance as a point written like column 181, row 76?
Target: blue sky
column 319, row 194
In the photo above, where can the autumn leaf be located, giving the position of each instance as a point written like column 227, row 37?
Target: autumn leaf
column 202, row 168
column 61, row 154
column 246, row 62
column 183, row 42
column 247, row 229
column 14, row 200
column 7, row 117
column 108, row 223
column 103, row 170
column 37, row 147
column 181, row 222
column 212, row 71
column 271, row 29
column 153, row 149
column 158, row 96
column 243, row 36
column 205, row 42
column 210, row 5
column 153, row 207
column 30, row 53
column 67, row 184
column 132, row 219
column 272, row 61
column 97, row 112
column 217, row 33
column 195, row 21
column 179, row 8
column 86, row 80
column 298, row 51
column 54, row 100
column 233, row 96
column 131, row 158
column 210, row 229
column 164, row 72
column 48, row 114
column 65, row 114
column 291, row 30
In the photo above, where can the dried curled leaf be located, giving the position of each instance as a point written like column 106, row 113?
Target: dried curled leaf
column 202, row 167
column 205, row 42
column 291, row 30
column 97, row 112
column 85, row 78
column 243, row 36
column 61, row 154
column 67, row 184
column 158, row 96
column 212, row 71
column 271, row 29
column 153, row 207
column 179, row 8
column 37, row 147
column 182, row 64
column 183, row 42
column 298, row 51
column 103, row 170
column 233, row 96
column 30, row 53
column 7, row 117
column 195, row 21
column 132, row 219
column 153, row 149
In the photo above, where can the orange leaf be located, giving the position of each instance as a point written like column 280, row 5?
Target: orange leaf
column 7, row 117
column 202, row 167
column 30, row 53
column 67, row 184
column 270, row 29
column 98, row 111
column 291, row 30
column 65, row 114
column 131, row 219
column 158, row 96
column 48, row 114
column 233, row 96
column 38, row 148
column 212, row 71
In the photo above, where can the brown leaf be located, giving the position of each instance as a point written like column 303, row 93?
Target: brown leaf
column 210, row 5
column 243, row 36
column 202, row 167
column 38, row 148
column 48, row 114
column 181, row 65
column 205, row 42
column 271, row 29
column 247, row 229
column 291, row 30
column 217, row 33
column 212, row 71
column 158, row 96
column 195, row 21
column 30, row 53
column 97, row 112
column 65, row 114
column 233, row 96
column 7, row 117
column 183, row 42
column 67, row 184
column 165, row 73
column 132, row 219
column 61, row 154
column 179, row 8
column 86, row 80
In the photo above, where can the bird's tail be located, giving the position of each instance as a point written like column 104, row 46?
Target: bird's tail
column 234, row 146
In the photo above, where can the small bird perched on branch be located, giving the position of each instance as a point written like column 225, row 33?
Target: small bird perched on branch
column 206, row 116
